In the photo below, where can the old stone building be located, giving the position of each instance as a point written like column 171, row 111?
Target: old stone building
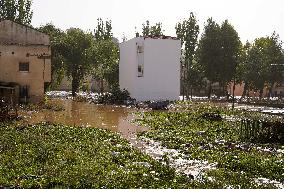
column 25, row 65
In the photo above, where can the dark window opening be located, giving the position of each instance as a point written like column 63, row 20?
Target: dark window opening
column 24, row 67
column 140, row 71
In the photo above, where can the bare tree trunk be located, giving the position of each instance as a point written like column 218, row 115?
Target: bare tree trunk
column 75, row 86
column 209, row 90
column 183, row 85
column 270, row 91
column 187, row 93
column 102, row 85
column 245, row 90
column 260, row 93
column 234, row 87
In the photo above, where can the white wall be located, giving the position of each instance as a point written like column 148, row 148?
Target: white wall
column 127, row 65
column 161, row 79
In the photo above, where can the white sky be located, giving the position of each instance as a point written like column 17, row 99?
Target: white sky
column 251, row 18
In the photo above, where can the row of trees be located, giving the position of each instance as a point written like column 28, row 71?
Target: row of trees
column 218, row 56
column 78, row 54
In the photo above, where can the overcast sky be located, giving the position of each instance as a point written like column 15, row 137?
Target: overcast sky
column 251, row 18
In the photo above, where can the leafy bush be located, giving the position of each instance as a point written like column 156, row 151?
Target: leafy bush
column 115, row 96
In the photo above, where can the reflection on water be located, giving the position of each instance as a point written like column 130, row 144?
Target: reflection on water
column 83, row 114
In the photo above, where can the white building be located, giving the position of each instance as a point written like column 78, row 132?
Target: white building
column 149, row 68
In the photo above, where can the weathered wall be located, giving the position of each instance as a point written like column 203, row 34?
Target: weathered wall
column 14, row 33
column 161, row 78
column 39, row 70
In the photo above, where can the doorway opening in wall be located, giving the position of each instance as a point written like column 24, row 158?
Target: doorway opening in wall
column 24, row 93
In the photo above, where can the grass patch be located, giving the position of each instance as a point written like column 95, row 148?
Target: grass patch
column 58, row 156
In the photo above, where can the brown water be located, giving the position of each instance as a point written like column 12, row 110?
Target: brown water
column 114, row 118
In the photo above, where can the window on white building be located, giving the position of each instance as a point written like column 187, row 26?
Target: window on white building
column 140, row 49
column 140, row 70
column 140, row 56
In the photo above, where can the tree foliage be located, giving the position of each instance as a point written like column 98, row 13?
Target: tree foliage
column 230, row 51
column 105, row 54
column 187, row 31
column 103, row 30
column 219, row 52
column 154, row 30
column 16, row 10
column 57, row 60
column 209, row 52
column 75, row 48
column 264, row 63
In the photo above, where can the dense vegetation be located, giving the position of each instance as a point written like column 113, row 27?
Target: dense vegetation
column 197, row 131
column 57, row 156
column 78, row 54
column 16, row 10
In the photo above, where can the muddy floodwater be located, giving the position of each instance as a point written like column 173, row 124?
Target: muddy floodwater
column 82, row 114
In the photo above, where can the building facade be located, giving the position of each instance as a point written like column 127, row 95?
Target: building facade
column 149, row 68
column 25, row 64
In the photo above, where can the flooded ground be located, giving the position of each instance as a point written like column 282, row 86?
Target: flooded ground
column 117, row 119
column 120, row 119
column 262, row 109
column 82, row 114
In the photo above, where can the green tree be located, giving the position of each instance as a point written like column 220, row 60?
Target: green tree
column 209, row 53
column 256, row 64
column 103, row 30
column 187, row 31
column 243, row 69
column 230, row 54
column 275, row 62
column 57, row 60
column 75, row 48
column 155, row 30
column 265, row 63
column 146, row 28
column 106, row 54
column 219, row 53
column 16, row 10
